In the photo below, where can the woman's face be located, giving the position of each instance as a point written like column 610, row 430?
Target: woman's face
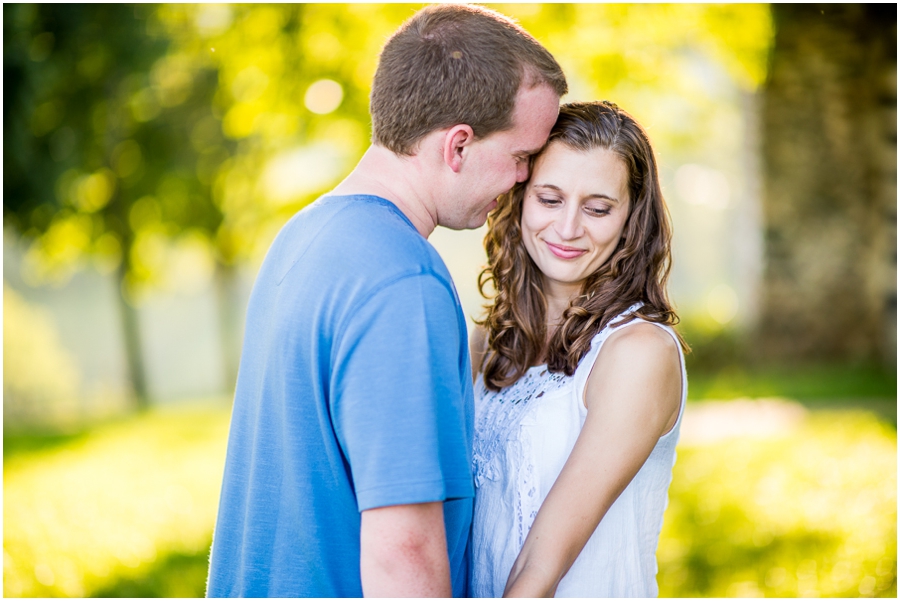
column 574, row 213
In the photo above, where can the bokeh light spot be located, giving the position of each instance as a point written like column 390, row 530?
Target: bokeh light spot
column 302, row 171
column 213, row 19
column 44, row 575
column 722, row 303
column 144, row 105
column 144, row 212
column 324, row 96
column 704, row 186
column 94, row 191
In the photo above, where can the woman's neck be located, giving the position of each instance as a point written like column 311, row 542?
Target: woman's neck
column 558, row 297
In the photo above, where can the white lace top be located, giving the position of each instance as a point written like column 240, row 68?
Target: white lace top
column 523, row 436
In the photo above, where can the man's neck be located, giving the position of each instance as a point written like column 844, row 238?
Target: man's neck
column 397, row 179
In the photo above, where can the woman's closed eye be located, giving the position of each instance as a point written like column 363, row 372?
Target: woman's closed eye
column 549, row 201
column 597, row 211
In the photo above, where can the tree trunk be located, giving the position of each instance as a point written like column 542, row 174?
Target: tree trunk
column 134, row 354
column 829, row 129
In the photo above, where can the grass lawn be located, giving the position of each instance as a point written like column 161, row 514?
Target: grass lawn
column 127, row 508
column 803, row 383
column 815, row 386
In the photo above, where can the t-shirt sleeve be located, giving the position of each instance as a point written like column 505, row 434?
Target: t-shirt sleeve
column 398, row 401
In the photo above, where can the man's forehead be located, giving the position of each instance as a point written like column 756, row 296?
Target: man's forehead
column 534, row 115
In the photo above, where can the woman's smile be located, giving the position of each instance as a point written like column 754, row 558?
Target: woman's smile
column 565, row 252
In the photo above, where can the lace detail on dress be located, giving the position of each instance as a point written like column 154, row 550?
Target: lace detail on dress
column 499, row 413
column 528, row 499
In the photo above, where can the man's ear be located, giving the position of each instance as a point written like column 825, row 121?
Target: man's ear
column 456, row 142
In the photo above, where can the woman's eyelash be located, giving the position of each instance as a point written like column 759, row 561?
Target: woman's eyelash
column 554, row 201
column 599, row 211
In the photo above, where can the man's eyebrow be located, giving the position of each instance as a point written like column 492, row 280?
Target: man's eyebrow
column 588, row 197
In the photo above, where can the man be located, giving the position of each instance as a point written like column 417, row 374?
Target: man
column 349, row 458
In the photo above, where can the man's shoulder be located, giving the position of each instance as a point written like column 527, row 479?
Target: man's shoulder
column 359, row 238
column 370, row 229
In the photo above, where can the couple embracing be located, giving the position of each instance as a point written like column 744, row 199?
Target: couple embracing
column 362, row 459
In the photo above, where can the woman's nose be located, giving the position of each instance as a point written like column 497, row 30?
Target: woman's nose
column 568, row 226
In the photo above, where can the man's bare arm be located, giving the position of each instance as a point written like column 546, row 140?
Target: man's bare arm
column 404, row 551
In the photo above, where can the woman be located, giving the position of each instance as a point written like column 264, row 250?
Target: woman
column 580, row 381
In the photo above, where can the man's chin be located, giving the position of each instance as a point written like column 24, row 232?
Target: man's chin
column 482, row 218
column 475, row 221
column 474, row 224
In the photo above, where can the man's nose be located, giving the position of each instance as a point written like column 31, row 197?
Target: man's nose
column 522, row 171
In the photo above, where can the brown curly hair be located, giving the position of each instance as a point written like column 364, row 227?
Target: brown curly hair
column 637, row 270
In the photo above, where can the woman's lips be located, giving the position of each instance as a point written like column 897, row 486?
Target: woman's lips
column 564, row 252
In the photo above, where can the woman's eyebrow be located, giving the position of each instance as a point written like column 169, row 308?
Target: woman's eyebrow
column 612, row 199
column 588, row 197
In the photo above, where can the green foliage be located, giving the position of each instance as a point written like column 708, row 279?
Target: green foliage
column 166, row 142
column 131, row 125
column 112, row 142
column 619, row 42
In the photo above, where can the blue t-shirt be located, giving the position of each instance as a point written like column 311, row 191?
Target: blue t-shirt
column 354, row 392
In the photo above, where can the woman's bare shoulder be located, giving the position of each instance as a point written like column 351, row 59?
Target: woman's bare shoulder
column 641, row 361
column 643, row 340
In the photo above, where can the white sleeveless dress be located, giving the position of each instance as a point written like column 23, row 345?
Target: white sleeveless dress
column 523, row 436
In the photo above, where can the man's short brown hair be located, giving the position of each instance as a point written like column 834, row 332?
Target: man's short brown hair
column 452, row 64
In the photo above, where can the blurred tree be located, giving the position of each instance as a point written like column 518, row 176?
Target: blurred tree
column 110, row 145
column 830, row 202
column 136, row 130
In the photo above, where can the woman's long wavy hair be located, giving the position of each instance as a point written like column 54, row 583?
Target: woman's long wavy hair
column 637, row 270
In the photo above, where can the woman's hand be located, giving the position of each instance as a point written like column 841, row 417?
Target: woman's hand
column 633, row 396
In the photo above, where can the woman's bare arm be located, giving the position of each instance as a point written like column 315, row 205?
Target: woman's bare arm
column 633, row 396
